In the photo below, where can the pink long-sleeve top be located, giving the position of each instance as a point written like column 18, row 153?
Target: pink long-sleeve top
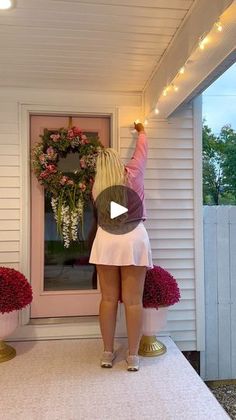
column 136, row 167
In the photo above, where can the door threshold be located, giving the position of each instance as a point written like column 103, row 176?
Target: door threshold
column 63, row 320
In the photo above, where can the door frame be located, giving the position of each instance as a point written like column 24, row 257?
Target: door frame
column 25, row 110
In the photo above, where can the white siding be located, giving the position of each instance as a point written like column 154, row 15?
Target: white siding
column 169, row 192
column 168, row 184
column 9, row 185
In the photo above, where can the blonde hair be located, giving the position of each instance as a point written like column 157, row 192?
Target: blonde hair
column 110, row 171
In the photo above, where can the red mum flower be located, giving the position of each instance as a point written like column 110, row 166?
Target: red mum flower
column 160, row 288
column 15, row 290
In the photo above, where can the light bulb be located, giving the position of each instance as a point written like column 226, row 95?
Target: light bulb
column 201, row 45
column 219, row 26
column 164, row 93
column 5, row 4
column 145, row 122
column 203, row 42
column 176, row 88
column 182, row 70
column 157, row 111
column 137, row 121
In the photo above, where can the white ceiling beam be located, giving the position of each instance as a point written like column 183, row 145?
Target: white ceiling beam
column 203, row 67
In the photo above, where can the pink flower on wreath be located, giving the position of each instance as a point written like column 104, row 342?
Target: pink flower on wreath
column 64, row 180
column 70, row 182
column 55, row 137
column 91, row 181
column 82, row 163
column 51, row 169
column 84, row 139
column 74, row 132
column 77, row 131
column 71, row 134
column 45, row 174
column 42, row 158
column 82, row 186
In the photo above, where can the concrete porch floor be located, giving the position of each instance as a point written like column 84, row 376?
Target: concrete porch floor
column 62, row 380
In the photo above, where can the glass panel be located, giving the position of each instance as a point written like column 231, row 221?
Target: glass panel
column 68, row 268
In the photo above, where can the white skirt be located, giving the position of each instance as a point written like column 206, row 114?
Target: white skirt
column 132, row 248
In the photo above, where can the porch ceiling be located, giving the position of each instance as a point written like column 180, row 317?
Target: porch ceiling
column 99, row 45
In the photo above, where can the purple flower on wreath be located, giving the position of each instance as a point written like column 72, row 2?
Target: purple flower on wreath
column 51, row 153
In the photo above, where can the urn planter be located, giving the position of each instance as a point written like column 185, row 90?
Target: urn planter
column 154, row 320
column 8, row 324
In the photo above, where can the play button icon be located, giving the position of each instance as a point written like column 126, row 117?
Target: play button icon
column 119, row 209
column 116, row 210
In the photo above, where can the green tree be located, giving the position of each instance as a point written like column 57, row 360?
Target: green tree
column 228, row 141
column 212, row 171
column 219, row 166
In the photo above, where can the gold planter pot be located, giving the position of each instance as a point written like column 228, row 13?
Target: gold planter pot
column 6, row 352
column 149, row 346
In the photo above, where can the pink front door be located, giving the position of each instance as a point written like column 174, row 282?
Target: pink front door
column 63, row 282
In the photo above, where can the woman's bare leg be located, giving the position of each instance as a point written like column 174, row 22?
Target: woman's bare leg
column 109, row 279
column 133, row 278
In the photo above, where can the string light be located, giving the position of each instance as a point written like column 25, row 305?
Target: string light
column 137, row 121
column 182, row 70
column 203, row 40
column 219, row 26
column 176, row 88
column 166, row 90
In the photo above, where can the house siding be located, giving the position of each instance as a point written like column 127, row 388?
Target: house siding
column 169, row 190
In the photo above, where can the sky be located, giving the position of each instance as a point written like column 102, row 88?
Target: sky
column 219, row 101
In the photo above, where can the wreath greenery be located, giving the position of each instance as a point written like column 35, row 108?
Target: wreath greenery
column 69, row 193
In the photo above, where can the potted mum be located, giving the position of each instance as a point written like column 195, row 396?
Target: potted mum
column 15, row 294
column 160, row 291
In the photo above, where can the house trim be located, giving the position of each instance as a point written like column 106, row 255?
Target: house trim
column 198, row 223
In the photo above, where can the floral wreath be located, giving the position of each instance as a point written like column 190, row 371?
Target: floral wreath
column 69, row 194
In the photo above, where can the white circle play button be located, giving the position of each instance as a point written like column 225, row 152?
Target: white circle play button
column 116, row 210
column 119, row 209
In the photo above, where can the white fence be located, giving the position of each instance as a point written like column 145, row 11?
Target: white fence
column 218, row 361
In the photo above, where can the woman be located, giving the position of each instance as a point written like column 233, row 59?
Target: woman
column 122, row 259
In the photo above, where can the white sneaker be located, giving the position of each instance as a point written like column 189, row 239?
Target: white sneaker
column 107, row 359
column 132, row 362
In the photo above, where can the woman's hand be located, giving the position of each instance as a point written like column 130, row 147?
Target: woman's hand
column 139, row 127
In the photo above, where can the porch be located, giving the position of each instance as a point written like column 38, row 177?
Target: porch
column 104, row 58
column 62, row 379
